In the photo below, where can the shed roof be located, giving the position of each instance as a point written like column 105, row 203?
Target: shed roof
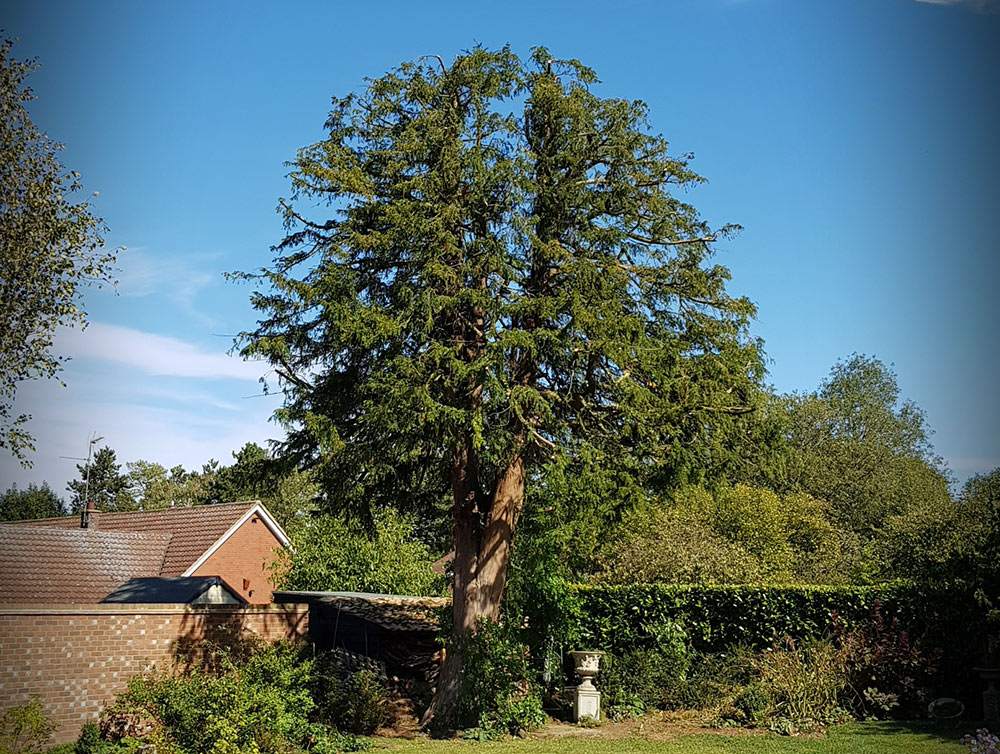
column 392, row 612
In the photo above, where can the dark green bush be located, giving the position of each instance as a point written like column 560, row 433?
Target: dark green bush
column 68, row 748
column 646, row 679
column 258, row 702
column 91, row 742
column 752, row 703
column 497, row 696
column 350, row 701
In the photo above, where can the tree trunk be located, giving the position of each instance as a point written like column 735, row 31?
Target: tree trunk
column 482, row 554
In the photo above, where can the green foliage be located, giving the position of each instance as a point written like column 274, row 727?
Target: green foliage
column 290, row 495
column 856, row 446
column 34, row 502
column 333, row 554
column 51, row 247
column 729, row 535
column 661, row 545
column 154, row 486
column 802, row 683
column 107, row 488
column 618, row 618
column 648, row 678
column 497, row 696
column 752, row 704
column 938, row 540
column 351, row 701
column 256, row 701
column 91, row 742
column 24, row 729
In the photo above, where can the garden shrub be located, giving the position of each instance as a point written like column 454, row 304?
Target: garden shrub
column 648, row 678
column 804, row 682
column 257, row 704
column 24, row 729
column 352, row 701
column 890, row 671
column 497, row 696
column 752, row 703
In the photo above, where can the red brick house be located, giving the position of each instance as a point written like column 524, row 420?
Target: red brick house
column 84, row 558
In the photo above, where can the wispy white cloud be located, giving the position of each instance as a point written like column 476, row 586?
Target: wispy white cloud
column 154, row 354
column 979, row 6
column 122, row 386
column 143, row 273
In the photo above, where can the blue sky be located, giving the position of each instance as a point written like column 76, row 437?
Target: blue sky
column 855, row 140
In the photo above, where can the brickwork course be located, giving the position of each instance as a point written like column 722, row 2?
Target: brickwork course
column 74, row 658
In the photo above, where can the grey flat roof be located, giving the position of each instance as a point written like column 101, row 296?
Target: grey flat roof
column 161, row 589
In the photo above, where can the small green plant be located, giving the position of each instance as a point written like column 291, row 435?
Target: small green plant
column 91, row 742
column 24, row 729
column 753, row 702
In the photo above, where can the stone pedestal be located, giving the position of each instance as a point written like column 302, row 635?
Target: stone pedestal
column 586, row 703
column 991, row 705
column 586, row 698
column 991, row 697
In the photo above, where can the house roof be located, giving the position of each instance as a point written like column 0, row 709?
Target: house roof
column 196, row 530
column 46, row 564
column 163, row 590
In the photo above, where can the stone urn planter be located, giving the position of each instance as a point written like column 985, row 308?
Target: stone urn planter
column 586, row 698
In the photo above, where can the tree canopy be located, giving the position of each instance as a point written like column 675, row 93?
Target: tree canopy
column 33, row 502
column 51, row 247
column 102, row 483
column 504, row 278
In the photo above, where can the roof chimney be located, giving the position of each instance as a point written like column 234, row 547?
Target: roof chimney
column 86, row 513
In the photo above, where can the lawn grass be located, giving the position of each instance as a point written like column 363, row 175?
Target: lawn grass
column 855, row 738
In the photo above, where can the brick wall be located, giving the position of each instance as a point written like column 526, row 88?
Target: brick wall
column 76, row 657
column 242, row 561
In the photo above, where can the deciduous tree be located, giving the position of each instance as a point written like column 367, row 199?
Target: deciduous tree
column 505, row 277
column 34, row 502
column 51, row 247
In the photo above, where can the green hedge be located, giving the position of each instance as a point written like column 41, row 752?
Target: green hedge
column 620, row 618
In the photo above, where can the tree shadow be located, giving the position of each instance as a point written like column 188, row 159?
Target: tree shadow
column 941, row 731
column 210, row 632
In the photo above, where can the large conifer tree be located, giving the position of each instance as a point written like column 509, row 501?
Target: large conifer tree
column 503, row 279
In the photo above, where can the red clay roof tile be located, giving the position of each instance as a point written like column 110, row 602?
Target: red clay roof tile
column 194, row 529
column 47, row 564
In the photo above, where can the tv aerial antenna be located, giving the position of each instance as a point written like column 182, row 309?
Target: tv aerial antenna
column 94, row 439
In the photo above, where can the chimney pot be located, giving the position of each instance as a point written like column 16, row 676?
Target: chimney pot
column 91, row 506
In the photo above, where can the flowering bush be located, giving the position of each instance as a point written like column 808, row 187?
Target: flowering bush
column 983, row 742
